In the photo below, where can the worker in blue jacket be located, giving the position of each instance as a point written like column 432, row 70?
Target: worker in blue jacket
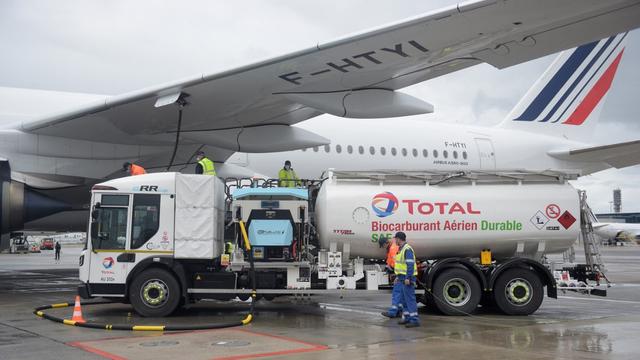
column 406, row 270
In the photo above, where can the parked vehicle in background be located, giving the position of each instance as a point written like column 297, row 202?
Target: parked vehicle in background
column 33, row 247
column 19, row 244
column 47, row 244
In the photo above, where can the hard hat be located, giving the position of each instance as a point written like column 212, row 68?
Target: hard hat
column 287, row 163
column 400, row 235
column 200, row 153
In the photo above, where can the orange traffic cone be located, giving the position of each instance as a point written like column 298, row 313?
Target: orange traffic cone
column 77, row 312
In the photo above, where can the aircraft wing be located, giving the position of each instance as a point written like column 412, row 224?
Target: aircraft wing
column 616, row 155
column 251, row 108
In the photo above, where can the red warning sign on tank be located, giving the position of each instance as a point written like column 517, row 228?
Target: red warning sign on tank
column 566, row 219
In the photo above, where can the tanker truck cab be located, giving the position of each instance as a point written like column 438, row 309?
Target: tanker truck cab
column 131, row 224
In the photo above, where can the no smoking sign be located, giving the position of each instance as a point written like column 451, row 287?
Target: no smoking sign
column 553, row 211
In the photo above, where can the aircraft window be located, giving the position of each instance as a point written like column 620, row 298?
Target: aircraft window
column 338, row 149
column 394, row 152
column 464, row 155
column 372, row 150
column 350, row 149
column 445, row 154
column 383, row 150
column 404, row 152
column 327, row 148
column 361, row 149
column 315, row 149
column 455, row 154
column 414, row 152
column 435, row 154
column 425, row 152
column 146, row 218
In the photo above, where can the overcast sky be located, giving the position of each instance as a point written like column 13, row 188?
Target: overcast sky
column 110, row 47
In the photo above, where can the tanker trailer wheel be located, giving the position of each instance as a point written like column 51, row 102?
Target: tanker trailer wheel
column 518, row 292
column 456, row 291
column 429, row 303
column 154, row 293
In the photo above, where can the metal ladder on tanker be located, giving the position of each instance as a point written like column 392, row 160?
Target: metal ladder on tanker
column 593, row 258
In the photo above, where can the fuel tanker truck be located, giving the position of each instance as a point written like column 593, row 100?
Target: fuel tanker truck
column 163, row 240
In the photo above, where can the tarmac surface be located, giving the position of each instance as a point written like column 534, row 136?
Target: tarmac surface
column 573, row 327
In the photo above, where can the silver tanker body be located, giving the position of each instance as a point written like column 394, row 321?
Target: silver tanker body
column 453, row 219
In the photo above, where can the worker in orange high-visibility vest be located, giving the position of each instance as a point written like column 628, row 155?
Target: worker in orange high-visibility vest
column 397, row 306
column 133, row 169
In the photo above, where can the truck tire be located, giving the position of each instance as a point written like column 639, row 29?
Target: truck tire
column 154, row 293
column 518, row 292
column 429, row 303
column 456, row 292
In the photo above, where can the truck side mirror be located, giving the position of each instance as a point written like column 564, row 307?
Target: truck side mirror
column 95, row 241
column 95, row 214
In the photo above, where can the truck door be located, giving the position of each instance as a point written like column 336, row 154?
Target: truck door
column 486, row 153
column 110, row 238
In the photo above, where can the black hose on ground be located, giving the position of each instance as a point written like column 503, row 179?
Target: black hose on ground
column 39, row 311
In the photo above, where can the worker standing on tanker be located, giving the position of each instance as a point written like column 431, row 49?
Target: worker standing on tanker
column 396, row 296
column 204, row 166
column 287, row 176
column 406, row 271
column 133, row 169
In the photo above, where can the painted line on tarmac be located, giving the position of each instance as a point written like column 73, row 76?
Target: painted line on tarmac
column 337, row 307
column 597, row 299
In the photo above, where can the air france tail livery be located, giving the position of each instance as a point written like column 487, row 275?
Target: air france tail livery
column 243, row 117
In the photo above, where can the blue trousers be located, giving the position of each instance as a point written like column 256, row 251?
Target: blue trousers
column 397, row 304
column 410, row 311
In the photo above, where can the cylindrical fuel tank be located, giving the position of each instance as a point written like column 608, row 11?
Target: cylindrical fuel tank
column 449, row 220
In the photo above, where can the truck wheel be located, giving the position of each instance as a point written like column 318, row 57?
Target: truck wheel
column 518, row 292
column 154, row 293
column 429, row 303
column 456, row 292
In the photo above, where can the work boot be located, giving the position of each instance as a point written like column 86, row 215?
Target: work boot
column 386, row 314
column 411, row 324
column 403, row 322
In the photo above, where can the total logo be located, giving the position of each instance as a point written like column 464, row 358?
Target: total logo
column 385, row 204
column 107, row 262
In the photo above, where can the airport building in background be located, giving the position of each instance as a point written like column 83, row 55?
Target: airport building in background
column 617, row 201
column 631, row 218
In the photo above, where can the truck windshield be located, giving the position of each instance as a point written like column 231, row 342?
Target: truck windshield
column 110, row 229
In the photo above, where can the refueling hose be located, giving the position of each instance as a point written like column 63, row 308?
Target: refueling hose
column 39, row 311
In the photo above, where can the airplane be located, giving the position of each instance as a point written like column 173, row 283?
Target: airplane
column 243, row 117
column 617, row 231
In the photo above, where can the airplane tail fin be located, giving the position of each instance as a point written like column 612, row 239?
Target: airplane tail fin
column 568, row 98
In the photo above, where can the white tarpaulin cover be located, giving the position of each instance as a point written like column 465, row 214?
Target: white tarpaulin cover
column 199, row 227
